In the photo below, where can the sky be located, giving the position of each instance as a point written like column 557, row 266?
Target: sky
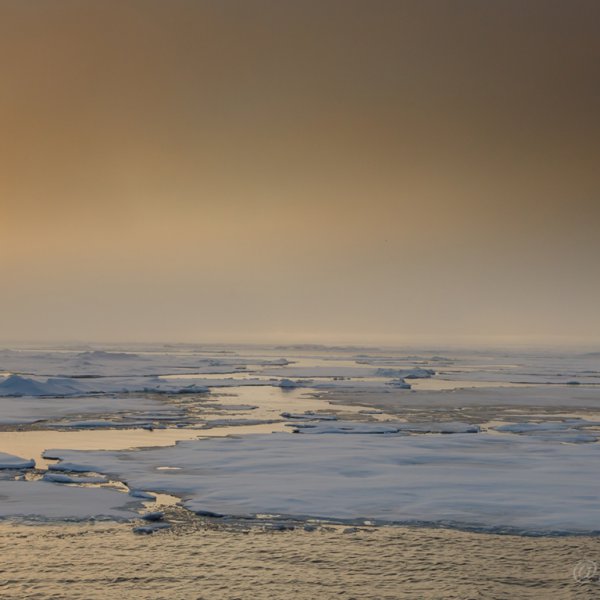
column 313, row 171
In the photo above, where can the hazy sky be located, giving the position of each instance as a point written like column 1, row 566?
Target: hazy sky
column 327, row 170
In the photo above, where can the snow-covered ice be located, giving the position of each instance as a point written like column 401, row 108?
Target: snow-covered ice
column 482, row 481
column 15, row 385
column 518, row 472
column 356, row 427
column 8, row 461
column 46, row 500
column 547, row 426
column 23, row 410
column 64, row 478
column 345, row 427
column 312, row 416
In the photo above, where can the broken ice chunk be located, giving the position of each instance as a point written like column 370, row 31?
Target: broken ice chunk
column 8, row 461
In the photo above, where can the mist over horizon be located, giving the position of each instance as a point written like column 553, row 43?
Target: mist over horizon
column 432, row 344
column 343, row 172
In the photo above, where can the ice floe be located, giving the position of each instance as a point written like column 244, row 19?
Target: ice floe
column 310, row 415
column 574, row 431
column 386, row 427
column 8, row 461
column 64, row 478
column 400, row 384
column 417, row 373
column 524, row 477
column 288, row 383
column 15, row 385
column 22, row 410
column 547, row 426
column 149, row 529
column 488, row 482
column 345, row 427
column 211, row 423
column 47, row 500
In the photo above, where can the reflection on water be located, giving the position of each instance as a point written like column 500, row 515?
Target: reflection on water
column 95, row 562
column 240, row 376
column 272, row 401
column 435, row 384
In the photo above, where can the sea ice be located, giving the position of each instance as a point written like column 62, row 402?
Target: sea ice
column 386, row 427
column 484, row 481
column 312, row 416
column 46, row 500
column 63, row 478
column 547, row 426
column 23, row 410
column 416, row 373
column 8, row 461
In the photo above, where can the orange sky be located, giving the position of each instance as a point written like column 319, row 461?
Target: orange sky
column 313, row 170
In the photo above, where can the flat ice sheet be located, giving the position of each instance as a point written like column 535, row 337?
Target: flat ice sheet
column 16, row 385
column 10, row 461
column 100, row 362
column 46, row 500
column 22, row 410
column 484, row 481
column 394, row 401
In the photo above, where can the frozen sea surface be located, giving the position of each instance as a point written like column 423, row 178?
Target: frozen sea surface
column 41, row 500
column 470, row 480
column 487, row 439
